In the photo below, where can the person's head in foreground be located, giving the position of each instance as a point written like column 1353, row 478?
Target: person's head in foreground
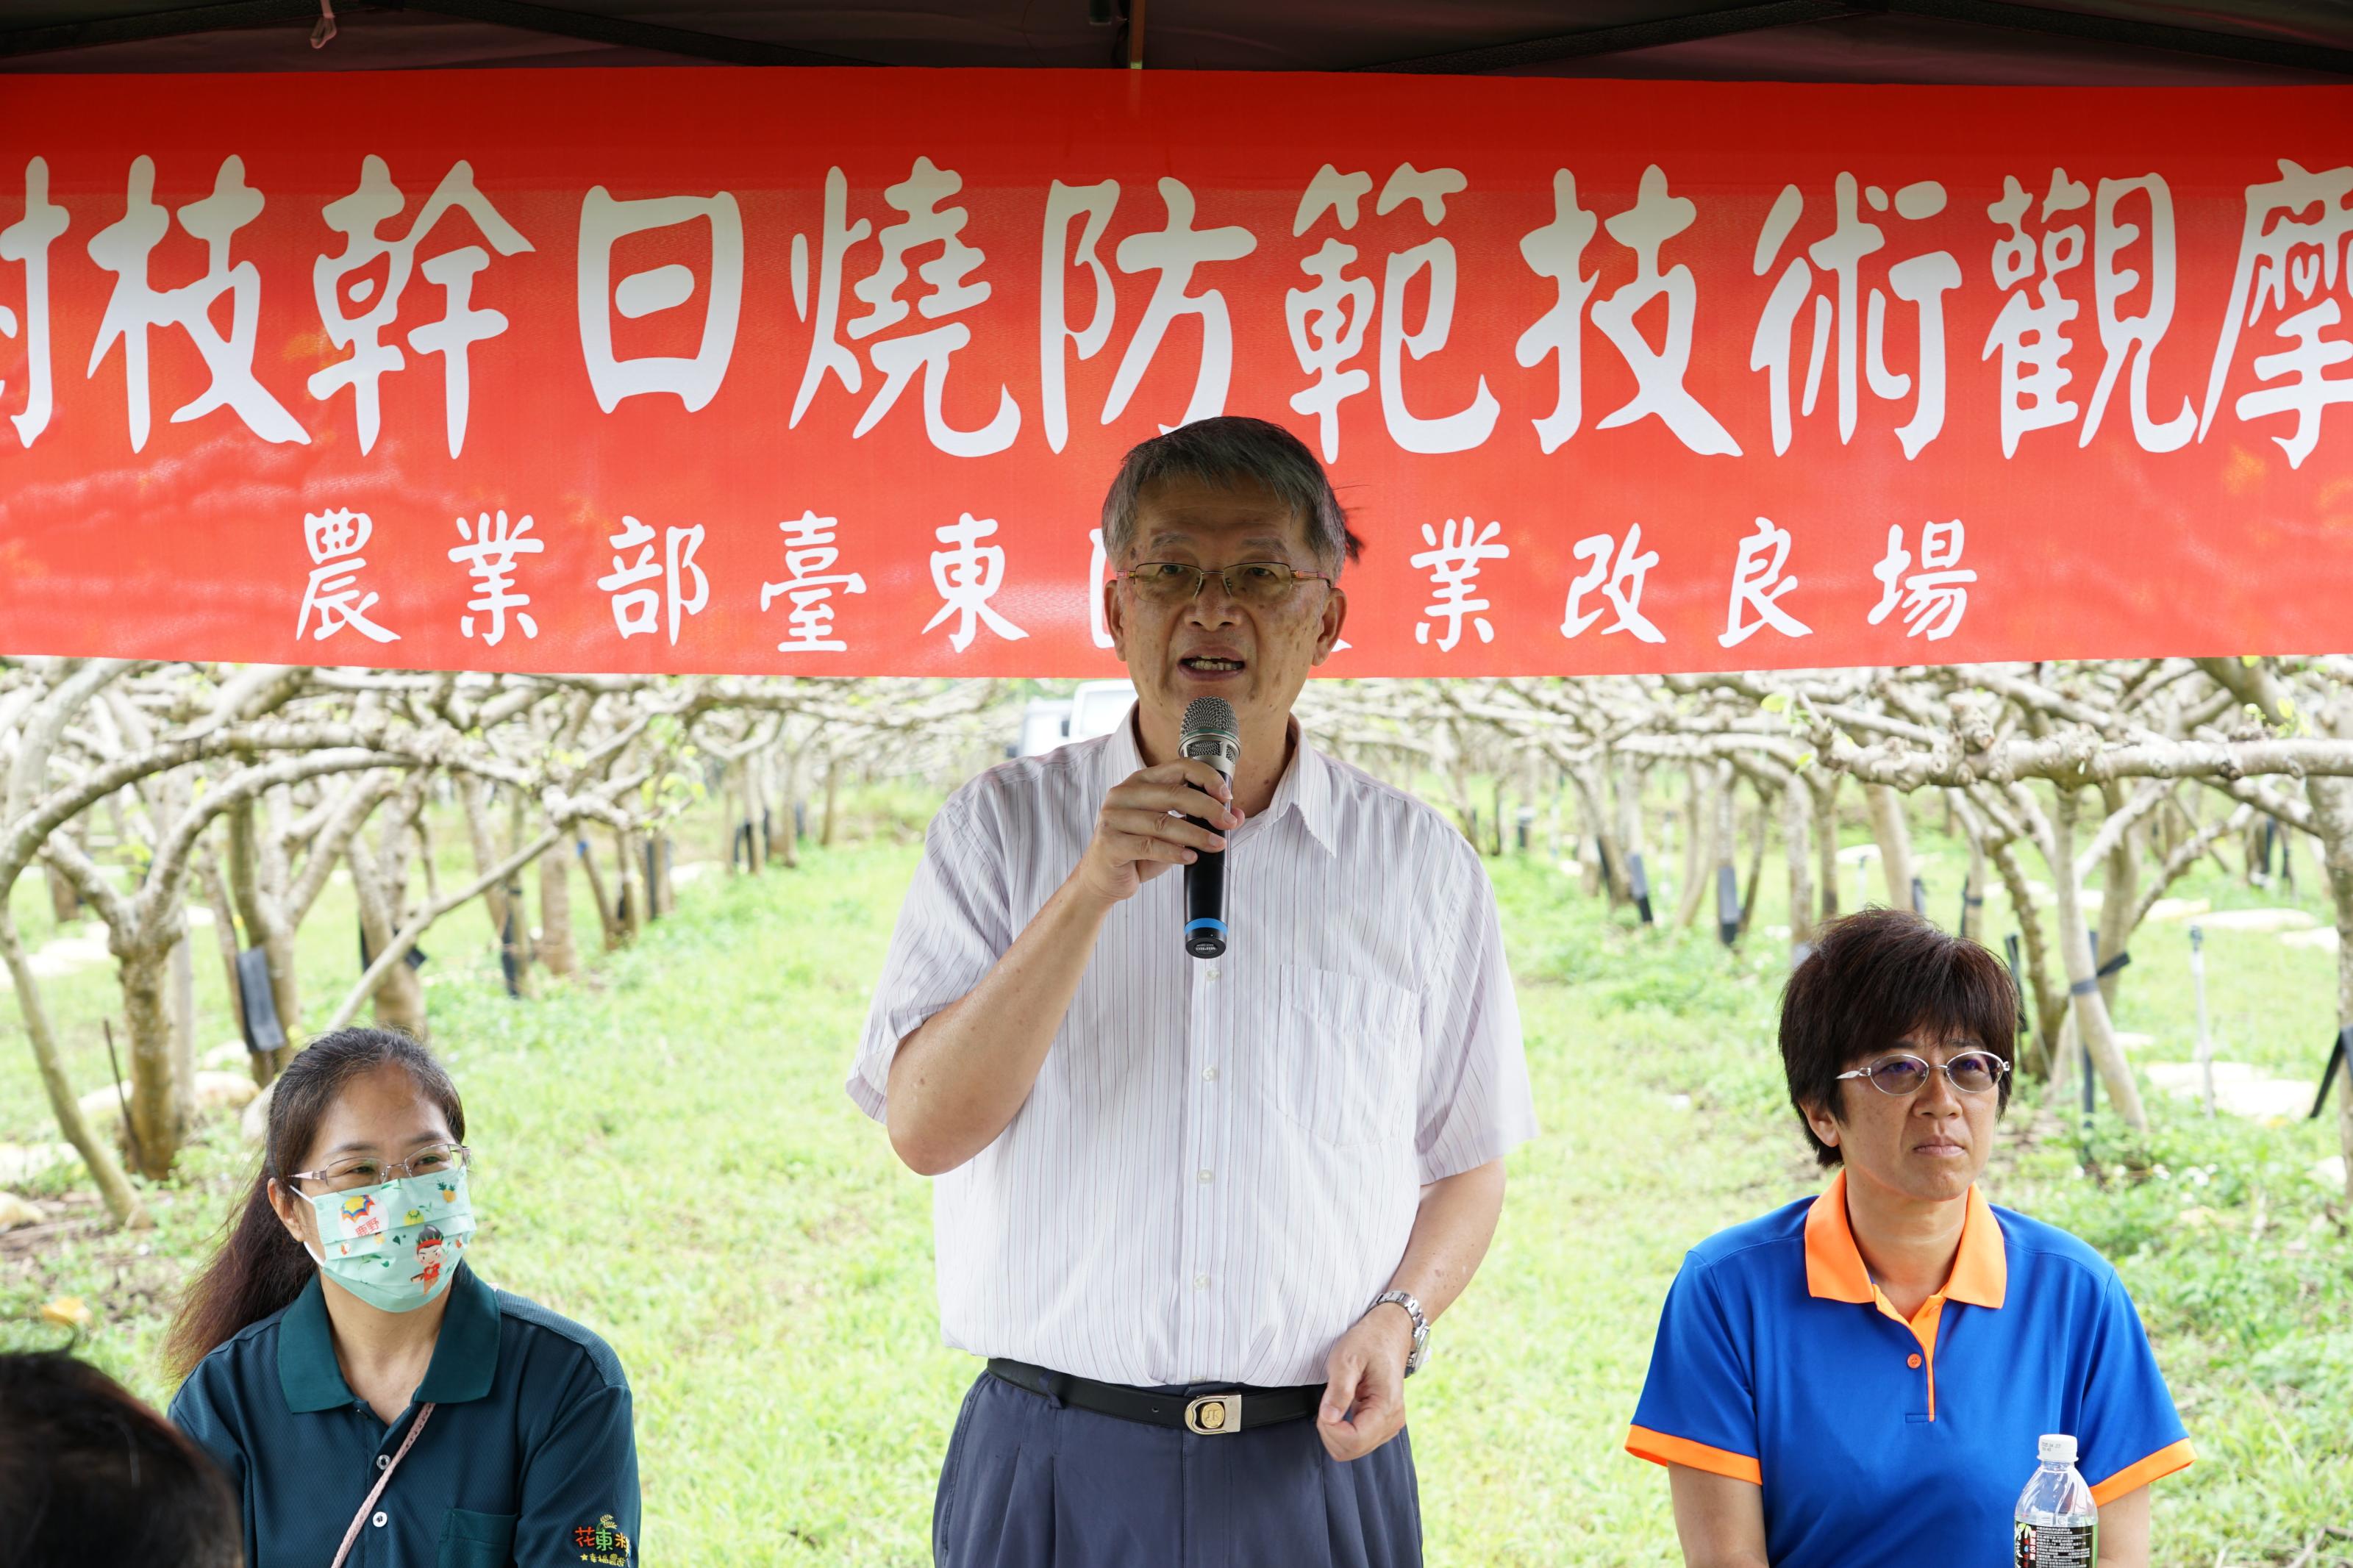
column 353, row 1374
column 1228, row 546
column 1862, row 1378
column 90, row 1477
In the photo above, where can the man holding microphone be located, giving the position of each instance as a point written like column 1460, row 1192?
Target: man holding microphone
column 1198, row 1213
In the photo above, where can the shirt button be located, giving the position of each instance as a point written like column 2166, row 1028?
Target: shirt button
column 377, row 1522
column 383, row 1461
column 1213, row 971
column 1209, row 1073
column 1200, row 1281
column 1204, row 1176
column 1913, row 1361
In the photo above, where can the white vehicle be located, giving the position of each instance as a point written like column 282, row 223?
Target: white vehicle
column 1045, row 724
column 1095, row 708
column 1098, row 706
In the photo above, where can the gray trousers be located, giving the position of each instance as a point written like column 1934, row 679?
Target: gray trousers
column 1031, row 1483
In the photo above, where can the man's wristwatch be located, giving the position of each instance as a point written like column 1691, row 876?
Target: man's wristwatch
column 1420, row 1326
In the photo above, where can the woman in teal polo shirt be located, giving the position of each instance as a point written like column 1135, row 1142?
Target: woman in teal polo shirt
column 374, row 1402
column 1859, row 1379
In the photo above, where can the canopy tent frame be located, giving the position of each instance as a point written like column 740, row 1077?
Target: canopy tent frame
column 2297, row 36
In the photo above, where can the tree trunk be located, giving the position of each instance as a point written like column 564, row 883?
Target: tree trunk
column 263, row 1065
column 476, row 802
column 2338, row 860
column 608, row 917
column 755, row 848
column 1894, row 839
column 183, row 1024
column 664, row 896
column 257, row 873
column 1699, row 786
column 1972, row 921
column 426, row 862
column 2332, row 815
column 97, row 1153
column 500, row 900
column 2091, row 1011
column 2119, row 894
column 1591, row 877
column 1727, row 843
column 1628, row 782
column 832, row 786
column 1552, row 825
column 1760, row 822
column 788, row 803
column 1797, row 831
column 2043, row 992
column 630, row 894
column 399, row 999
column 526, row 940
column 1592, row 795
column 157, row 1114
column 65, row 903
column 1826, row 839
column 556, row 948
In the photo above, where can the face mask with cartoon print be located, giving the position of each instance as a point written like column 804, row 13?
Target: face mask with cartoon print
column 395, row 1245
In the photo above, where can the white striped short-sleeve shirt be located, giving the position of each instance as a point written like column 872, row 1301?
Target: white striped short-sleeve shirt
column 1221, row 1162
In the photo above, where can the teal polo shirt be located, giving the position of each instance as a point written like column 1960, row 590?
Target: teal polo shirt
column 1883, row 1441
column 530, row 1458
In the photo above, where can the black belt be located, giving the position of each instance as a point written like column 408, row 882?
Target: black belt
column 1210, row 1414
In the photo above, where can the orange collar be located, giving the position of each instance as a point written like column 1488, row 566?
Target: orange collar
column 1834, row 1265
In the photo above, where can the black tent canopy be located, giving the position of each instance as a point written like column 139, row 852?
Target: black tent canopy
column 2083, row 42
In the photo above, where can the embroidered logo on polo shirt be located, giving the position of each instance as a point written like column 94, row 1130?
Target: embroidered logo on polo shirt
column 602, row 1542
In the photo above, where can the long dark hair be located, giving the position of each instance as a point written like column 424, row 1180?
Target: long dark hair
column 260, row 1269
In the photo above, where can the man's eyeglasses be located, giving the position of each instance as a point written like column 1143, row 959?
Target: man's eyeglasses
column 1972, row 1072
column 367, row 1170
column 1259, row 582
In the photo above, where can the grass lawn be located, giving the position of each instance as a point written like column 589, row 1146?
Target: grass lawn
column 666, row 1154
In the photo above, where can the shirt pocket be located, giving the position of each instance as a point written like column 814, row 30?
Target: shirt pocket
column 1343, row 1055
column 470, row 1539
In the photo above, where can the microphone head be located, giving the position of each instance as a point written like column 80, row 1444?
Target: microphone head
column 1211, row 734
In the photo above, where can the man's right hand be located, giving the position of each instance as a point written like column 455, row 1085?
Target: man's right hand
column 1141, row 830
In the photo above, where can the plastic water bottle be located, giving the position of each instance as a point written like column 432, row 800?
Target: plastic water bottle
column 2058, row 1522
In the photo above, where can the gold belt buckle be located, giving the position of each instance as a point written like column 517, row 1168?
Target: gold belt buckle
column 1214, row 1415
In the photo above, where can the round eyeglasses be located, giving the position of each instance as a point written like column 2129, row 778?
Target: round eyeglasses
column 1260, row 583
column 1970, row 1072
column 367, row 1170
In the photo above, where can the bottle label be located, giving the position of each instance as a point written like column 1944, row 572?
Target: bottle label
column 2057, row 1545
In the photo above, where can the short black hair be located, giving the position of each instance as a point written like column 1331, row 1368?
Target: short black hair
column 1873, row 977
column 1230, row 450
column 90, row 1475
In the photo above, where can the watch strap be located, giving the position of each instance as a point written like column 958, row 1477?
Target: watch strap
column 1404, row 1299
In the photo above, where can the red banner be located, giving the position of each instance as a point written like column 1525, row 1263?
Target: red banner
column 826, row 372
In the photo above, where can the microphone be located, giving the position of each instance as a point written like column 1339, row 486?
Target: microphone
column 1209, row 735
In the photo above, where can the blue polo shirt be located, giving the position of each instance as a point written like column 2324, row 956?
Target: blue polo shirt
column 529, row 1460
column 1780, row 1362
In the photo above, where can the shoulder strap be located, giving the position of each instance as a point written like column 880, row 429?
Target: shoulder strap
column 360, row 1519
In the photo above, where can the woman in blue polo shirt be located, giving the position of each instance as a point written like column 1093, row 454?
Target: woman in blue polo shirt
column 1861, row 1378
column 374, row 1402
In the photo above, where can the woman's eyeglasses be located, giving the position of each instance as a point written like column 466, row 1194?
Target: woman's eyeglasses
column 1970, row 1072
column 1260, row 583
column 367, row 1170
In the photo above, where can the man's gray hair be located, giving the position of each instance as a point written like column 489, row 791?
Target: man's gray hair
column 1232, row 451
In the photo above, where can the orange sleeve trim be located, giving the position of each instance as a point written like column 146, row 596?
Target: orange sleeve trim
column 1661, row 1449
column 2132, row 1478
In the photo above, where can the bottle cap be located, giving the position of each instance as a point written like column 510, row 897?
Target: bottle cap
column 2056, row 1448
